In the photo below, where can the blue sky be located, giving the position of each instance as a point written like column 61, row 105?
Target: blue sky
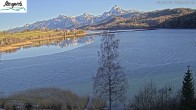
column 46, row 9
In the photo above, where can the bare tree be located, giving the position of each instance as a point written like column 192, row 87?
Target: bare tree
column 110, row 82
column 152, row 98
column 146, row 98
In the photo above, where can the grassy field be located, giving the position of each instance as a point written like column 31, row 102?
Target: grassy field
column 12, row 41
column 36, row 33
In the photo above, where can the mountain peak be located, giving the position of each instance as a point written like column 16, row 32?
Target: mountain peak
column 86, row 14
column 116, row 7
column 61, row 16
column 116, row 10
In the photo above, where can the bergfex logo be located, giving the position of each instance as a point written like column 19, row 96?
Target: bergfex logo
column 13, row 6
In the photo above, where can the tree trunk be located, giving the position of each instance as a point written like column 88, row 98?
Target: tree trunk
column 110, row 94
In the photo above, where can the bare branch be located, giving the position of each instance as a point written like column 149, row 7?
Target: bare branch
column 110, row 82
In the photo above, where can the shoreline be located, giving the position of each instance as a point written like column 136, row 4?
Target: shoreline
column 118, row 31
column 16, row 46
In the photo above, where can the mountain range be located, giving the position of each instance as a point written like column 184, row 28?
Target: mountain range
column 116, row 18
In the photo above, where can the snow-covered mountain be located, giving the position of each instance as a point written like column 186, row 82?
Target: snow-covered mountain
column 86, row 18
column 68, row 22
column 115, row 11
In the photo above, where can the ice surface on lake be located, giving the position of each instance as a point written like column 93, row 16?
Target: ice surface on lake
column 159, row 55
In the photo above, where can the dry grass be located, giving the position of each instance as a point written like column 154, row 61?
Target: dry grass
column 45, row 98
column 12, row 41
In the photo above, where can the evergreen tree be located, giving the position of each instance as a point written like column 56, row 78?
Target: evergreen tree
column 187, row 90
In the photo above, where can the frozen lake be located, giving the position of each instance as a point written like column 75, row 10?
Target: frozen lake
column 159, row 55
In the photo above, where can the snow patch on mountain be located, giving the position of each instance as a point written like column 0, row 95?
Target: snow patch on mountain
column 68, row 22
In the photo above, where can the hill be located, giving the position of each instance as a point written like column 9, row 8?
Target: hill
column 186, row 21
column 155, row 19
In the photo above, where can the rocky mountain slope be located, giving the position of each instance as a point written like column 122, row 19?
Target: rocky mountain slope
column 69, row 22
column 155, row 19
column 116, row 18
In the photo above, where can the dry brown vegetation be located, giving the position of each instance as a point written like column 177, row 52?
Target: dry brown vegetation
column 50, row 98
column 156, row 19
column 14, row 41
